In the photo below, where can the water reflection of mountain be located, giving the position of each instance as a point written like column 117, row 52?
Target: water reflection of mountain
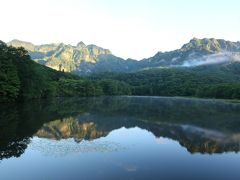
column 203, row 126
column 70, row 128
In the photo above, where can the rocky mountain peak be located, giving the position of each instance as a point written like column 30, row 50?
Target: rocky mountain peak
column 81, row 44
column 61, row 56
column 211, row 45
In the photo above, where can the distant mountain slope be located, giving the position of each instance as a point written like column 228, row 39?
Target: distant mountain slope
column 197, row 52
column 87, row 59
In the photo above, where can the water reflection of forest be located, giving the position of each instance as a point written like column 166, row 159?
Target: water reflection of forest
column 204, row 126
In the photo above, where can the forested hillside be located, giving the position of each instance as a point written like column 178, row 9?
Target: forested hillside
column 215, row 81
column 22, row 79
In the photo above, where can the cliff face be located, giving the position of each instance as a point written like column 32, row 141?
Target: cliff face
column 61, row 56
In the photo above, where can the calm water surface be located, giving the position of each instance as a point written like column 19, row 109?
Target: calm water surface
column 120, row 138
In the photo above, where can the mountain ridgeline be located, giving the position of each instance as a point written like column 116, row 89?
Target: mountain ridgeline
column 201, row 68
column 87, row 59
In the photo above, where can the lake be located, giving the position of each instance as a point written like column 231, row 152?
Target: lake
column 120, row 138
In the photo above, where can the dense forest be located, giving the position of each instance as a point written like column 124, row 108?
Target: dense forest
column 197, row 82
column 23, row 79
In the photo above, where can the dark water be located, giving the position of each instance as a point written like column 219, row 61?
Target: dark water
column 120, row 138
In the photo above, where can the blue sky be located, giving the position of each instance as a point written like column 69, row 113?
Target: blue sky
column 129, row 28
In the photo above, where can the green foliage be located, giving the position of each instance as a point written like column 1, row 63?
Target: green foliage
column 9, row 80
column 71, row 87
column 179, row 82
column 224, row 91
column 113, row 87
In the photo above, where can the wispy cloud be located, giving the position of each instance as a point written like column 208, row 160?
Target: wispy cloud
column 212, row 59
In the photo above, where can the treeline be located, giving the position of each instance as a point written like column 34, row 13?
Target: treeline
column 220, row 91
column 86, row 87
column 22, row 79
column 177, row 82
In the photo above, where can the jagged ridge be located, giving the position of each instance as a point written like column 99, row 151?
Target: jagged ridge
column 86, row 59
column 61, row 56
